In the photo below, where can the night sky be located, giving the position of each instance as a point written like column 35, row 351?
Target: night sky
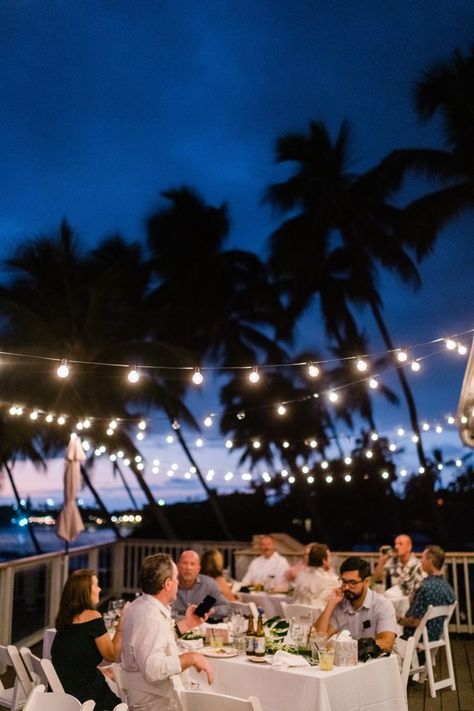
column 105, row 104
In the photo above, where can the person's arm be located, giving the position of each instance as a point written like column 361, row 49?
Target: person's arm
column 224, row 587
column 322, row 624
column 248, row 578
column 198, row 661
column 379, row 569
column 409, row 621
column 189, row 621
column 109, row 648
column 385, row 640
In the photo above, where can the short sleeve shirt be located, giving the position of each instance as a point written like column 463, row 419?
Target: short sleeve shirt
column 376, row 615
column 434, row 590
column 407, row 575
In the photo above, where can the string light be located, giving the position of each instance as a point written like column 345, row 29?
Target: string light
column 313, row 370
column 63, row 369
column 373, row 383
column 197, row 377
column 208, row 421
column 254, row 376
column 402, row 355
column 333, row 397
column 361, row 365
column 415, row 366
column 133, row 375
column 450, row 344
column 281, row 410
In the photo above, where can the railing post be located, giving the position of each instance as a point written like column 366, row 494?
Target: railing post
column 118, row 582
column 58, row 571
column 7, row 581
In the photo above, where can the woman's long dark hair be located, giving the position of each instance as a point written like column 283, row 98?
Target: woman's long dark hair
column 76, row 597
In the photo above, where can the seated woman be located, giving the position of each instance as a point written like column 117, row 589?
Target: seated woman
column 314, row 583
column 81, row 642
column 212, row 564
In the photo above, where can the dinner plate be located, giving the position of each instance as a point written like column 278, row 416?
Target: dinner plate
column 219, row 652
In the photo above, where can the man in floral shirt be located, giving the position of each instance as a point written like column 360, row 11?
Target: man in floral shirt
column 402, row 569
column 434, row 590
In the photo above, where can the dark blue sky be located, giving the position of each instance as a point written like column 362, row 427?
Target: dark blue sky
column 106, row 103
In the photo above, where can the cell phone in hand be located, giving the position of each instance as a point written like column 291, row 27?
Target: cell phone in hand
column 204, row 606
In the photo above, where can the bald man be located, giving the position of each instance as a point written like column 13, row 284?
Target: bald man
column 403, row 567
column 193, row 588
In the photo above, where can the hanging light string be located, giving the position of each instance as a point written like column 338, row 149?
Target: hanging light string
column 332, row 394
column 451, row 343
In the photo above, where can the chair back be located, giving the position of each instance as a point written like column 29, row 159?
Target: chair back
column 294, row 609
column 39, row 700
column 422, row 643
column 14, row 697
column 245, row 608
column 41, row 671
column 196, row 700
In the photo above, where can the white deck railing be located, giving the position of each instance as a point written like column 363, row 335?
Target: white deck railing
column 30, row 588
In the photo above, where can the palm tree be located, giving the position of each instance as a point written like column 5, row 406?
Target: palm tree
column 445, row 91
column 339, row 231
column 214, row 304
column 59, row 303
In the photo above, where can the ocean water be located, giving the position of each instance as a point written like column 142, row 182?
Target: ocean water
column 15, row 542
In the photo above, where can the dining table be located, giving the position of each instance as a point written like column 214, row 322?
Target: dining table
column 270, row 603
column 373, row 686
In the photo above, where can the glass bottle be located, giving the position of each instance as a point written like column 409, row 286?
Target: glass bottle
column 250, row 638
column 259, row 648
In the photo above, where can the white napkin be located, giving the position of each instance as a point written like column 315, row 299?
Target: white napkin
column 283, row 660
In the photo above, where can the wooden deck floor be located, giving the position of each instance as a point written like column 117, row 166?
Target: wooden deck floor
column 462, row 699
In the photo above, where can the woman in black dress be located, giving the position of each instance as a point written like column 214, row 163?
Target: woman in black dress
column 82, row 641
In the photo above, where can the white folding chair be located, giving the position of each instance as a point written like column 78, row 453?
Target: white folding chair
column 196, row 700
column 39, row 700
column 245, row 608
column 14, row 697
column 422, row 644
column 41, row 671
column 295, row 609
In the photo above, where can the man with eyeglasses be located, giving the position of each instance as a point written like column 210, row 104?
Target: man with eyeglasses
column 355, row 607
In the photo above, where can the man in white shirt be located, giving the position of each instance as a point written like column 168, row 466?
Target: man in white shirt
column 269, row 564
column 150, row 654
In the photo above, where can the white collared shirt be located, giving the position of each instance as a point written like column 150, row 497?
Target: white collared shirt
column 149, row 648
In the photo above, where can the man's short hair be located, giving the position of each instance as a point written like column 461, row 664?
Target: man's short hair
column 317, row 554
column 354, row 562
column 155, row 570
column 436, row 554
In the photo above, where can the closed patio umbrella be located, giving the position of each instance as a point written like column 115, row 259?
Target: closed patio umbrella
column 69, row 524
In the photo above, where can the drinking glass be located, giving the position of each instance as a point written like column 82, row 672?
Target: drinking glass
column 297, row 632
column 109, row 620
column 326, row 659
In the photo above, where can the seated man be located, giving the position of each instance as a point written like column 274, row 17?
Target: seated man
column 268, row 564
column 314, row 583
column 402, row 568
column 293, row 570
column 355, row 607
column 149, row 651
column 434, row 590
column 194, row 587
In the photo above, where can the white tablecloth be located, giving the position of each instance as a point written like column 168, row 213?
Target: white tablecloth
column 269, row 602
column 373, row 686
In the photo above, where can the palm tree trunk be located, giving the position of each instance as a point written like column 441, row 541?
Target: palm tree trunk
column 428, row 476
column 31, row 531
column 102, row 507
column 157, row 512
column 117, row 470
column 210, row 492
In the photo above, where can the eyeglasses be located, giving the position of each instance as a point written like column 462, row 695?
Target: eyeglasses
column 350, row 583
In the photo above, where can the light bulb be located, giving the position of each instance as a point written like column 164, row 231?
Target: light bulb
column 402, row 356
column 450, row 344
column 208, row 421
column 197, row 377
column 333, row 396
column 63, row 369
column 373, row 384
column 361, row 365
column 281, row 409
column 415, row 366
column 313, row 370
column 254, row 376
column 133, row 375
